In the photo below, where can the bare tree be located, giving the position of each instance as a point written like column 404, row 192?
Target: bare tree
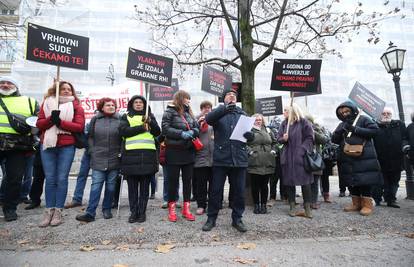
column 187, row 29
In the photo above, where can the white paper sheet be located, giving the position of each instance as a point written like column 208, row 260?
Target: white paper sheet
column 244, row 124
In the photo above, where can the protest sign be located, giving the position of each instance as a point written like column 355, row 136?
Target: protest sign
column 163, row 93
column 58, row 48
column 89, row 98
column 214, row 81
column 149, row 68
column 296, row 75
column 318, row 91
column 367, row 101
column 269, row 106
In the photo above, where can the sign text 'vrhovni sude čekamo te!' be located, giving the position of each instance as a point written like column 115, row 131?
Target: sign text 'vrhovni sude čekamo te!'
column 58, row 48
column 149, row 67
column 296, row 75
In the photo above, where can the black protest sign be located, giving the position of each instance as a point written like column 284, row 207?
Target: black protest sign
column 296, row 75
column 163, row 93
column 214, row 81
column 236, row 87
column 269, row 106
column 58, row 48
column 367, row 101
column 318, row 91
column 149, row 68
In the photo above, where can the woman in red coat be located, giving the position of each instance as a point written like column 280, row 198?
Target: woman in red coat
column 57, row 126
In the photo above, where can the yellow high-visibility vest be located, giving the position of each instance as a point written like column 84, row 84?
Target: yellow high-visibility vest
column 16, row 105
column 139, row 141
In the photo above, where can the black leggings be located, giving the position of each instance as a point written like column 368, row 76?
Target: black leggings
column 260, row 189
column 138, row 191
column 306, row 192
column 202, row 176
column 173, row 176
column 361, row 191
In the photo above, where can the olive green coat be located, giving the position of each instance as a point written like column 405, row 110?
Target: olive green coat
column 261, row 158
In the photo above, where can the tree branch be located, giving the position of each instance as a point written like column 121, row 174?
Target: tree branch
column 275, row 35
column 233, row 35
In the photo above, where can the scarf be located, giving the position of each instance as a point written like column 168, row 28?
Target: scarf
column 66, row 114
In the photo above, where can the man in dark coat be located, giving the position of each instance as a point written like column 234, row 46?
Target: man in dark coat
column 229, row 159
column 409, row 141
column 361, row 172
column 388, row 144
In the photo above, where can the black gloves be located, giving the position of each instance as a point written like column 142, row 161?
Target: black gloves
column 249, row 136
column 349, row 127
column 230, row 107
column 55, row 117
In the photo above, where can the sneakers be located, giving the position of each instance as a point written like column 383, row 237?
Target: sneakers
column 107, row 214
column 85, row 217
column 164, row 205
column 47, row 217
column 73, row 204
column 10, row 215
column 56, row 218
column 239, row 226
column 210, row 224
column 152, row 196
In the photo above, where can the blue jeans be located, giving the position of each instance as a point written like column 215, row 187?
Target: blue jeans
column 165, row 185
column 27, row 178
column 98, row 179
column 56, row 163
column 82, row 177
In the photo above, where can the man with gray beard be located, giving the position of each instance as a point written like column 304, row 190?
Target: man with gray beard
column 388, row 144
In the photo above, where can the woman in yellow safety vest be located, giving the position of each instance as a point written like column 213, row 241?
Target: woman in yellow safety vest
column 138, row 155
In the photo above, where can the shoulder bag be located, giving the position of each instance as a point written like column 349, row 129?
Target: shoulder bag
column 196, row 141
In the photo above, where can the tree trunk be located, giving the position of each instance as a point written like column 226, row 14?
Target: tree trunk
column 248, row 98
column 247, row 67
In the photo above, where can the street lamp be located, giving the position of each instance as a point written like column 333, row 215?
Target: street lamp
column 393, row 60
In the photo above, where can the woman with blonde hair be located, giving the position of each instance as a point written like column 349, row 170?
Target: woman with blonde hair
column 262, row 163
column 179, row 128
column 296, row 135
column 57, row 127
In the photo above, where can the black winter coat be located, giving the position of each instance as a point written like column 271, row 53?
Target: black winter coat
column 388, row 144
column 178, row 150
column 138, row 161
column 229, row 153
column 365, row 169
column 410, row 141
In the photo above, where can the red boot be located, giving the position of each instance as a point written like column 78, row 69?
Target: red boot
column 186, row 211
column 172, row 216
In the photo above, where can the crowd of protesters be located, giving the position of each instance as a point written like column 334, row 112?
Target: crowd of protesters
column 198, row 148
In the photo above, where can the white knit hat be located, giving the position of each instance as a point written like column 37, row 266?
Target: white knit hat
column 9, row 79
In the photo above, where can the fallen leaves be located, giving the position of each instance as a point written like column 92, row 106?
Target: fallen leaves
column 246, row 246
column 410, row 235
column 139, row 230
column 216, row 238
column 87, row 248
column 164, row 248
column 106, row 242
column 122, row 247
column 23, row 242
column 4, row 233
column 244, row 261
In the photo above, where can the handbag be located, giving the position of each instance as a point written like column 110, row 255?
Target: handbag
column 162, row 157
column 17, row 122
column 312, row 161
column 81, row 140
column 353, row 150
column 198, row 145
